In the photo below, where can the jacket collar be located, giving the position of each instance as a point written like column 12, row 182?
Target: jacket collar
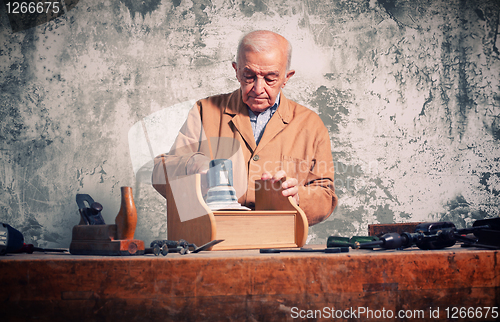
column 241, row 121
column 236, row 106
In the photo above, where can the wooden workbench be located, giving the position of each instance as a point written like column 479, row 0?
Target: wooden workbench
column 247, row 285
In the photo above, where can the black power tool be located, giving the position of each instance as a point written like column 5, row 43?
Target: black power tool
column 12, row 241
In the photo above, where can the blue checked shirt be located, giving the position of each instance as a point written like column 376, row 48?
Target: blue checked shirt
column 260, row 121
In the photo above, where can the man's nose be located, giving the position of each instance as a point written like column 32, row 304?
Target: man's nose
column 258, row 85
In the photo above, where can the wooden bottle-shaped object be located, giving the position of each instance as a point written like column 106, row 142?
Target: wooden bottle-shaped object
column 126, row 220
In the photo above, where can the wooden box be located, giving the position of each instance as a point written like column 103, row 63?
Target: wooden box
column 277, row 221
column 381, row 229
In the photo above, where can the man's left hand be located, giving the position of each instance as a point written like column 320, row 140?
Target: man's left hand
column 290, row 186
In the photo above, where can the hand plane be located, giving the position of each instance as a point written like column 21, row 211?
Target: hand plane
column 89, row 215
column 93, row 237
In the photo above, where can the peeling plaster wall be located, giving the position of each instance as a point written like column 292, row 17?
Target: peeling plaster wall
column 409, row 91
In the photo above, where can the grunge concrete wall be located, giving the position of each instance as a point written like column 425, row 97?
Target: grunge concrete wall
column 409, row 90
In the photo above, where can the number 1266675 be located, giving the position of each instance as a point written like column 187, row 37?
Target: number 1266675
column 34, row 7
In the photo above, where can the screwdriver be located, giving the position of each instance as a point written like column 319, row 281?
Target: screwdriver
column 30, row 248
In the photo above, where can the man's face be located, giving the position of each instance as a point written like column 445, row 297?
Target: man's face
column 261, row 75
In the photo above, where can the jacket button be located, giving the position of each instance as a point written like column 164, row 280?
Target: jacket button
column 256, row 157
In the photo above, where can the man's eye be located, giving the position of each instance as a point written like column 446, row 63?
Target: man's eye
column 249, row 79
column 270, row 80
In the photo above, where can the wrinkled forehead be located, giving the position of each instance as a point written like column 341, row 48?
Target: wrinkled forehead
column 271, row 62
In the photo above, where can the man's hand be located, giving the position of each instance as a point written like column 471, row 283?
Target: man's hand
column 198, row 163
column 290, row 186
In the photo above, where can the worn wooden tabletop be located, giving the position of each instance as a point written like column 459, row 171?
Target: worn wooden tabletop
column 249, row 286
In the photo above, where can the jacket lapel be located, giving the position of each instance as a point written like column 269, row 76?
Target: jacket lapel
column 276, row 124
column 241, row 121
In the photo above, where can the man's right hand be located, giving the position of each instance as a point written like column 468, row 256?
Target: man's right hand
column 198, row 163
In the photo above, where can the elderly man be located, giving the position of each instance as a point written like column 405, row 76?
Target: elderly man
column 278, row 138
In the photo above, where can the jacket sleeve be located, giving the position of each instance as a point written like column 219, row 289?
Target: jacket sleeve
column 185, row 155
column 317, row 195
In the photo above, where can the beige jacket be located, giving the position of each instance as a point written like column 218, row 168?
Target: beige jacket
column 294, row 140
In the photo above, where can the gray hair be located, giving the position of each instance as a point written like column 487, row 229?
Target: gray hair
column 259, row 41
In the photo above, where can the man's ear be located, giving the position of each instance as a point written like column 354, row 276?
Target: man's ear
column 289, row 74
column 235, row 66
